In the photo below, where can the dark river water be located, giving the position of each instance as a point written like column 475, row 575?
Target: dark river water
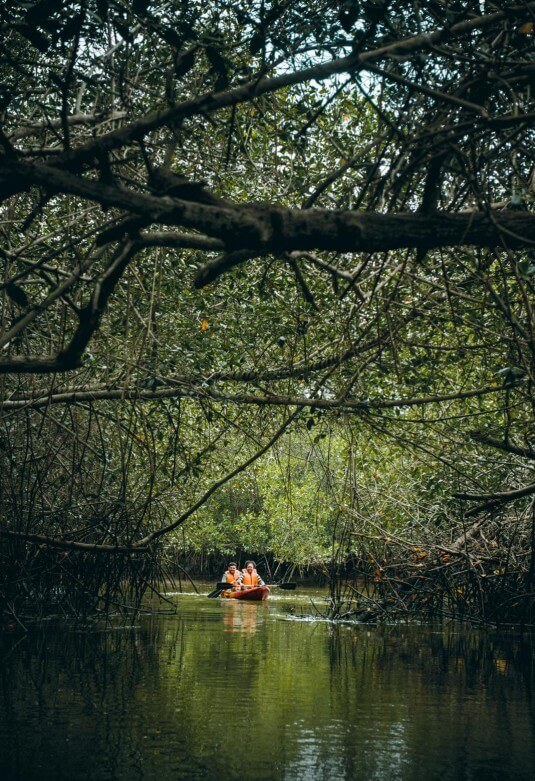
column 231, row 690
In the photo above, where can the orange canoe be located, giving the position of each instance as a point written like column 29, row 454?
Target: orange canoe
column 254, row 594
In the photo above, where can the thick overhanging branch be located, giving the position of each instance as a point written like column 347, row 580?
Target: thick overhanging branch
column 269, row 229
column 36, row 364
column 275, row 400
column 350, row 232
column 174, row 240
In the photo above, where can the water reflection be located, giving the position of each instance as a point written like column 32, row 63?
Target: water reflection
column 241, row 617
column 236, row 691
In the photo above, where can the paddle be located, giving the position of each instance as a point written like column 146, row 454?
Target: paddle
column 219, row 587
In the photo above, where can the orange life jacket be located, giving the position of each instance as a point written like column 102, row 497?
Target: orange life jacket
column 232, row 578
column 250, row 580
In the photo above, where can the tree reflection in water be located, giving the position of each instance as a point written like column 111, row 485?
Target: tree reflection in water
column 222, row 687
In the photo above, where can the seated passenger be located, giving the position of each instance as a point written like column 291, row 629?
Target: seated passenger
column 232, row 575
column 250, row 577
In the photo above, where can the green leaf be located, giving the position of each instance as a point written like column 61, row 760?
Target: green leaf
column 257, row 41
column 140, row 7
column 16, row 294
column 172, row 37
column 184, row 62
column 219, row 67
column 102, row 9
column 348, row 14
column 36, row 38
column 42, row 11
column 526, row 268
column 123, row 31
column 71, row 28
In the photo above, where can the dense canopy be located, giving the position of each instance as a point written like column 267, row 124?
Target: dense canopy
column 255, row 233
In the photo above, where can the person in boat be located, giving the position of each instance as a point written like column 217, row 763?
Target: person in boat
column 232, row 575
column 250, row 577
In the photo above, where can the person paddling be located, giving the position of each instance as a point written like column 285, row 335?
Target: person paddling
column 250, row 577
column 232, row 575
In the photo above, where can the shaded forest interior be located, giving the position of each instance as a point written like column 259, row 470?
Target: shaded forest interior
column 267, row 287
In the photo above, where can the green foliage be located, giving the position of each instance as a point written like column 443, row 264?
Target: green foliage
column 401, row 366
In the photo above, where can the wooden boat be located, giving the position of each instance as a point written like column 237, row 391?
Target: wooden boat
column 254, row 594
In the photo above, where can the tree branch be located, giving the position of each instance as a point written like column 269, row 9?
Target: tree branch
column 275, row 400
column 32, row 128
column 491, row 500
column 89, row 320
column 53, row 542
column 210, row 102
column 225, row 479
column 507, row 447
column 500, row 496
column 271, row 229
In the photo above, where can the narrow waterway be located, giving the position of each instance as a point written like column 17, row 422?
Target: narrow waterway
column 232, row 690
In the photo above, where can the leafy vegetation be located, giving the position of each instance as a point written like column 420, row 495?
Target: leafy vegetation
column 268, row 286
